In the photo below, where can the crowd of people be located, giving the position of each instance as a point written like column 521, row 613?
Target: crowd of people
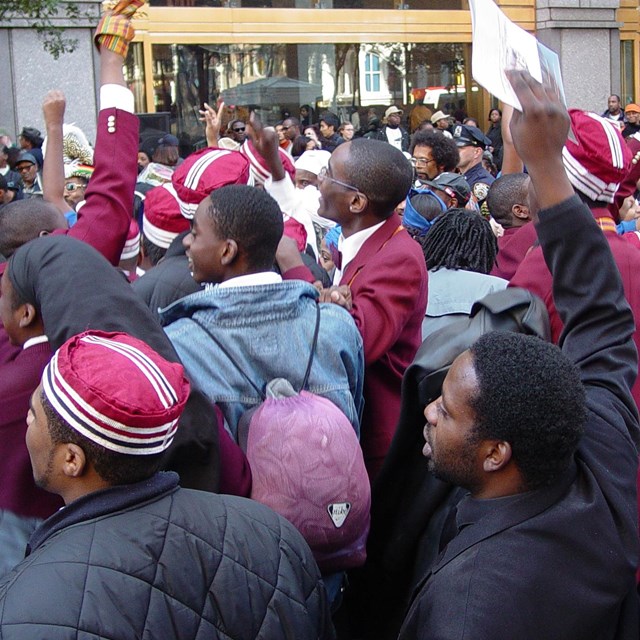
column 256, row 392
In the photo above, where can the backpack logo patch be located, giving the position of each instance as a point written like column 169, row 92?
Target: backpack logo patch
column 339, row 512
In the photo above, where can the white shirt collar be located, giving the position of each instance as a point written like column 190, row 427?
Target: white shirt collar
column 31, row 342
column 252, row 280
column 350, row 246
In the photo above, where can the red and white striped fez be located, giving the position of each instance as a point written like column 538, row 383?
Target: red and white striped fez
column 205, row 171
column 595, row 157
column 116, row 391
column 162, row 219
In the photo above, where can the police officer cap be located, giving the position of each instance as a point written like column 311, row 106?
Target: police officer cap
column 465, row 135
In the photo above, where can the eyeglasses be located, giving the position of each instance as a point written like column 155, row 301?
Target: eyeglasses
column 324, row 175
column 24, row 168
column 238, row 129
column 73, row 186
column 421, row 162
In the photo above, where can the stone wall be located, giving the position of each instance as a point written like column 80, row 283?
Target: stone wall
column 586, row 36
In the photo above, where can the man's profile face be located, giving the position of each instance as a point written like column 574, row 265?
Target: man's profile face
column 426, row 167
column 469, row 157
column 335, row 198
column 451, row 448
column 41, row 448
column 27, row 171
column 614, row 104
column 326, row 130
column 204, row 246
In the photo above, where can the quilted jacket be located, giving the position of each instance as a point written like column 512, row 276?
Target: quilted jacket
column 153, row 560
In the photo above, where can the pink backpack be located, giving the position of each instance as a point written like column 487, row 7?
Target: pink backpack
column 307, row 465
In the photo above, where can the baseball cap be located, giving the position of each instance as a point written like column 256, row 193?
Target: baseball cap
column 453, row 184
column 168, row 140
column 632, row 108
column 25, row 156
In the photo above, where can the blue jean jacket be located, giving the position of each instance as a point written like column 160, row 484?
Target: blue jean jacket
column 268, row 329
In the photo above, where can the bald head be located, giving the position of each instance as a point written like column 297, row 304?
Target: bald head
column 25, row 220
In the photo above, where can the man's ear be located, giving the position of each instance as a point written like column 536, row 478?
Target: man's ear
column 43, row 233
column 28, row 315
column 358, row 203
column 498, row 456
column 521, row 211
column 74, row 464
column 229, row 252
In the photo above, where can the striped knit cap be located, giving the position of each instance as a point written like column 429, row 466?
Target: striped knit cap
column 595, row 156
column 116, row 391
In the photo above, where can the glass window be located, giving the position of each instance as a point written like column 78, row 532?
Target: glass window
column 134, row 76
column 356, row 81
column 627, row 72
column 372, row 73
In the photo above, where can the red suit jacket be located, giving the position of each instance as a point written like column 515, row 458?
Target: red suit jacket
column 512, row 249
column 388, row 280
column 103, row 222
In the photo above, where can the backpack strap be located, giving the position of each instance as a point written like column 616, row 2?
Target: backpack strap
column 239, row 368
column 314, row 344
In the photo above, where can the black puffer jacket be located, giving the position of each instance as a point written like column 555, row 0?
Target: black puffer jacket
column 154, row 561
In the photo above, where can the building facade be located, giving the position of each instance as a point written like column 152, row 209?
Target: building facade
column 354, row 57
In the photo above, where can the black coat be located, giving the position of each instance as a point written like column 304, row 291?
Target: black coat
column 557, row 563
column 152, row 560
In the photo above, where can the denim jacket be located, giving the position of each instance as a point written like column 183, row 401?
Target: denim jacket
column 268, row 329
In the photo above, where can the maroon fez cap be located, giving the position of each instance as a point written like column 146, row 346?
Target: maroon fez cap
column 116, row 391
column 205, row 171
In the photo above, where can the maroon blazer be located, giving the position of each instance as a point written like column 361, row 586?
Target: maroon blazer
column 103, row 222
column 512, row 249
column 388, row 280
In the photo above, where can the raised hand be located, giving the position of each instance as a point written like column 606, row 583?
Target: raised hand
column 53, row 107
column 213, row 121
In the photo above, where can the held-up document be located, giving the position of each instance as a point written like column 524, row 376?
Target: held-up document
column 499, row 45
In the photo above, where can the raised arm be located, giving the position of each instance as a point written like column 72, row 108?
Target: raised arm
column 53, row 108
column 103, row 221
column 587, row 288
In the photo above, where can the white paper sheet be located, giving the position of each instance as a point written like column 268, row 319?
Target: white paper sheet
column 499, row 44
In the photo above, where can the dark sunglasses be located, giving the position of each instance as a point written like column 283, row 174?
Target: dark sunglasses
column 238, row 129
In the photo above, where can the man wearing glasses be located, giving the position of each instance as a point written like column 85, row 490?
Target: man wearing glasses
column 30, row 177
column 432, row 154
column 237, row 131
column 380, row 276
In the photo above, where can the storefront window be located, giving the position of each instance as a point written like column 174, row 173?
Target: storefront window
column 134, row 76
column 356, row 81
column 627, row 71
